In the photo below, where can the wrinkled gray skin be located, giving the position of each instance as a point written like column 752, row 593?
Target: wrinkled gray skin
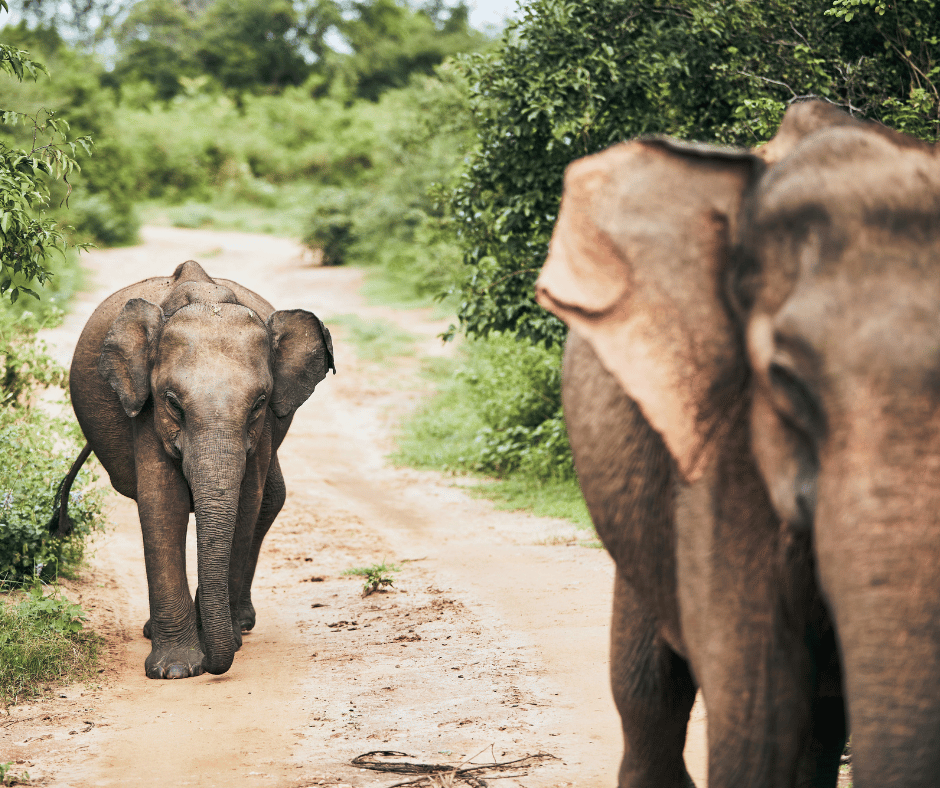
column 752, row 389
column 184, row 387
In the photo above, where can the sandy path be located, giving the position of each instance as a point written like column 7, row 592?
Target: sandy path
column 494, row 638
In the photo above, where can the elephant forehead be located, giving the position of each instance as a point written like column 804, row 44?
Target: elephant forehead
column 855, row 176
column 200, row 332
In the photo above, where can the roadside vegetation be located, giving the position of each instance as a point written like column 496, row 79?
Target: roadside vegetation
column 42, row 638
column 43, row 641
column 376, row 340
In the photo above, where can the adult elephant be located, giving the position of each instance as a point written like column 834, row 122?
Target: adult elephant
column 752, row 388
column 184, row 387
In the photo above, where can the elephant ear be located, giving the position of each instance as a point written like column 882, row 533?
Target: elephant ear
column 125, row 354
column 303, row 353
column 637, row 266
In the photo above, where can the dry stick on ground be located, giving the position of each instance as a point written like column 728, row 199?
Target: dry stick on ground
column 436, row 774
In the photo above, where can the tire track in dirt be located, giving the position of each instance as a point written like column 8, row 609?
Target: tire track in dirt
column 492, row 639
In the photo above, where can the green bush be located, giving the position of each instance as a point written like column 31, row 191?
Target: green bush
column 219, row 142
column 495, row 412
column 96, row 220
column 330, row 227
column 37, row 451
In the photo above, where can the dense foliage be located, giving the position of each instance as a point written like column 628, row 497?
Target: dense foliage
column 348, row 48
column 28, row 236
column 574, row 76
column 498, row 413
column 35, row 447
column 93, row 202
column 37, row 450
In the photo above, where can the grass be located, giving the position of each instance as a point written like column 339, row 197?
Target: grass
column 445, row 434
column 376, row 340
column 281, row 210
column 43, row 641
column 385, row 287
column 559, row 498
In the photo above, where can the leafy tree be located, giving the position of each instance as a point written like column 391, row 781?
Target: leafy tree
column 903, row 81
column 244, row 44
column 27, row 236
column 390, row 42
column 317, row 20
column 574, row 76
column 87, row 21
column 101, row 209
column 240, row 45
column 157, row 42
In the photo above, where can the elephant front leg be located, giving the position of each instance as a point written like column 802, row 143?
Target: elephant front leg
column 654, row 693
column 259, row 504
column 163, row 506
column 272, row 500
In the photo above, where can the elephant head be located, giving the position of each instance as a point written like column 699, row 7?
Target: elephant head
column 800, row 284
column 214, row 377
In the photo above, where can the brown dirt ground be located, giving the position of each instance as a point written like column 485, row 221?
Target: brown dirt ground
column 493, row 641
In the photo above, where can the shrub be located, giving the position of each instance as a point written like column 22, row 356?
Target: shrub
column 330, row 227
column 497, row 413
column 37, row 452
column 96, row 220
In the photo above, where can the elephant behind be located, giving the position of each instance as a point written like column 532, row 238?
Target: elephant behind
column 184, row 387
column 752, row 390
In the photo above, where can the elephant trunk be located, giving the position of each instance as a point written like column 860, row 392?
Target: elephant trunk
column 878, row 567
column 214, row 465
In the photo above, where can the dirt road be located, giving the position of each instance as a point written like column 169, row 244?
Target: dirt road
column 493, row 640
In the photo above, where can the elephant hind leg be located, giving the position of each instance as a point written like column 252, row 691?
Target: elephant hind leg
column 654, row 692
column 272, row 500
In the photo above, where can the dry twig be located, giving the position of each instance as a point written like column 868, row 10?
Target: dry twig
column 442, row 775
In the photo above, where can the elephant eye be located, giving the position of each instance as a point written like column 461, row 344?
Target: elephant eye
column 173, row 405
column 800, row 408
column 259, row 406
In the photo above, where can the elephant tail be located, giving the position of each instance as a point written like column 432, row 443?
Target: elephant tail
column 60, row 524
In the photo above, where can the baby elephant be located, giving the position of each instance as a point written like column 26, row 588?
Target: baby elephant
column 185, row 387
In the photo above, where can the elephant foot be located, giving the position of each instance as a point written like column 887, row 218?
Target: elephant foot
column 173, row 662
column 245, row 616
